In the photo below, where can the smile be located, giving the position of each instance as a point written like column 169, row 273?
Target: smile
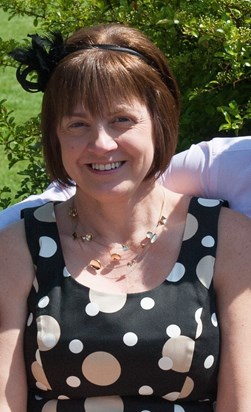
column 107, row 166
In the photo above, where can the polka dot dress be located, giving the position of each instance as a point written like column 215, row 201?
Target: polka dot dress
column 154, row 351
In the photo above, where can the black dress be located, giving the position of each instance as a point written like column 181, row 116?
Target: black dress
column 153, row 351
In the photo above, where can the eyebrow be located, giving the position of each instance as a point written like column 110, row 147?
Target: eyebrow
column 112, row 112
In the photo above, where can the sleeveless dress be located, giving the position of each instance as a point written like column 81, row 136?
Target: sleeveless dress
column 153, row 351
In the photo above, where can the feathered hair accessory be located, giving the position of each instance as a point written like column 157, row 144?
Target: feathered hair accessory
column 45, row 53
column 41, row 57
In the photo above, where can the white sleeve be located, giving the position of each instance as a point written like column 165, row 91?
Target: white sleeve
column 187, row 172
column 54, row 192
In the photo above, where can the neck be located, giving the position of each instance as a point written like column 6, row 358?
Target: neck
column 121, row 221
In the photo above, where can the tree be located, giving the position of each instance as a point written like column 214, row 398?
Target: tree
column 207, row 42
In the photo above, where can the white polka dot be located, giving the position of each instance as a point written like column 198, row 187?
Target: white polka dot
column 173, row 331
column 178, row 408
column 43, row 302
column 205, row 270
column 73, row 381
column 177, row 272
column 66, row 274
column 92, row 309
column 38, row 398
column 48, row 246
column 208, row 202
column 63, row 397
column 165, row 363
column 145, row 410
column 147, row 303
column 76, row 346
column 48, row 332
column 209, row 361
column 214, row 320
column 191, row 227
column 30, row 319
column 208, row 241
column 45, row 213
column 145, row 390
column 198, row 320
column 130, row 339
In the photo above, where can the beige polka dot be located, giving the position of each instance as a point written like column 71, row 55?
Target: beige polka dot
column 45, row 213
column 48, row 246
column 146, row 390
column 48, row 332
column 172, row 396
column 35, row 284
column 180, row 350
column 50, row 406
column 108, row 303
column 199, row 329
column 104, row 404
column 187, row 388
column 191, row 227
column 208, row 202
column 40, row 377
column 176, row 273
column 101, row 368
column 63, row 397
column 205, row 270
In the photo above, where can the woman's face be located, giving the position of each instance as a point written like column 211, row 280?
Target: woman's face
column 108, row 156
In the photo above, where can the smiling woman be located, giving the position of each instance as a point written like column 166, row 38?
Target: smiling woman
column 124, row 297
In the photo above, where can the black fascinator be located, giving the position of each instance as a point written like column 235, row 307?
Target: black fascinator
column 41, row 57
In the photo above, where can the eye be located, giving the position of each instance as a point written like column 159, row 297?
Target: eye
column 78, row 124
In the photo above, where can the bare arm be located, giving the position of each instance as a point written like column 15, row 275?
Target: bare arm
column 16, row 275
column 233, row 288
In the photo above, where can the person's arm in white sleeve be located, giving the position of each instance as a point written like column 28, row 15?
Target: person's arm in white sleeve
column 54, row 192
column 188, row 171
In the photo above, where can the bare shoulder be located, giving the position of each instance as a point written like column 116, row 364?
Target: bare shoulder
column 233, row 264
column 16, row 269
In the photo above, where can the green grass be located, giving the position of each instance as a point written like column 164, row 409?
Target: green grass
column 24, row 105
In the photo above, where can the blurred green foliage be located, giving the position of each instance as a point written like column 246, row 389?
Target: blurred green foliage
column 207, row 42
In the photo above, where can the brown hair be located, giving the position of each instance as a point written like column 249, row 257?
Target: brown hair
column 97, row 77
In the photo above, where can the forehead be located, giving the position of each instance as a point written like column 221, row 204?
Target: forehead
column 133, row 106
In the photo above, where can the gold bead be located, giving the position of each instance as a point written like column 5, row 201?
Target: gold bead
column 95, row 264
column 115, row 256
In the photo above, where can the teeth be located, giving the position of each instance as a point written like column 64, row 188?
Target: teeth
column 107, row 166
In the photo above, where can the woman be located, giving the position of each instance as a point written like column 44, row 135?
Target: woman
column 127, row 297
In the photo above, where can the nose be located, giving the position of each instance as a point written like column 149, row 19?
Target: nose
column 102, row 141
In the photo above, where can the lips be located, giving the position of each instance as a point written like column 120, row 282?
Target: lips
column 106, row 166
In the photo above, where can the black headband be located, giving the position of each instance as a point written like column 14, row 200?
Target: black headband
column 44, row 54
